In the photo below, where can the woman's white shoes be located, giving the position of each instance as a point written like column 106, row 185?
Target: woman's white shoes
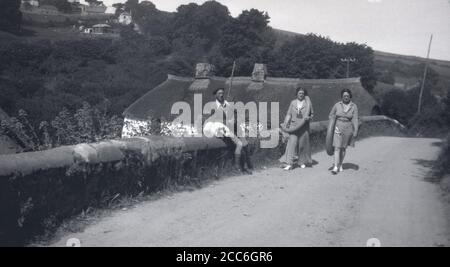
column 291, row 167
column 335, row 170
column 288, row 168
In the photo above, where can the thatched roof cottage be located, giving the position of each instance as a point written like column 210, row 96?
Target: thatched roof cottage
column 157, row 103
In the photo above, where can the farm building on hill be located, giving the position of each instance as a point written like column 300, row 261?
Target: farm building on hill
column 324, row 93
column 125, row 18
column 101, row 29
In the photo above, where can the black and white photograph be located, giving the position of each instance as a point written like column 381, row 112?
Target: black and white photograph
column 238, row 125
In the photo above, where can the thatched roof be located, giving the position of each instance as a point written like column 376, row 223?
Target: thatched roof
column 324, row 94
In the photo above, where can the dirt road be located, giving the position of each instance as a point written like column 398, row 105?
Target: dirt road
column 381, row 194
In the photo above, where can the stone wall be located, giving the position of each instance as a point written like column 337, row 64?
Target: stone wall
column 40, row 189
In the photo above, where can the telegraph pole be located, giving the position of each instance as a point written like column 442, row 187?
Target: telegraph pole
column 348, row 60
column 427, row 62
column 231, row 79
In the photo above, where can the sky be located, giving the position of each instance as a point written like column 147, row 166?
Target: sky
column 396, row 26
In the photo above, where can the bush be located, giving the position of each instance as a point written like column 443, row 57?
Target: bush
column 86, row 125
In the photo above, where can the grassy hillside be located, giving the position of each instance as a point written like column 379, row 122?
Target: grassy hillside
column 442, row 67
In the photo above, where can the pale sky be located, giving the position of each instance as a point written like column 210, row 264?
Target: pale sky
column 396, row 26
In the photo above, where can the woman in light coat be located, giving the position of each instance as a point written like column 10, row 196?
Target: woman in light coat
column 296, row 124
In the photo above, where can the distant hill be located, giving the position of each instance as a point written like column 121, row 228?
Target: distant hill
column 441, row 66
column 410, row 59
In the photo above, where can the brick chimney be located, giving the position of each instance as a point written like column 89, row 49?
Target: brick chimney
column 259, row 72
column 204, row 71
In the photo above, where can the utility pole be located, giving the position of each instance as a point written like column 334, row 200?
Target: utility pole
column 348, row 60
column 427, row 62
column 231, row 79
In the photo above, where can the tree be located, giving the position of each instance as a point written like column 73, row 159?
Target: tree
column 396, row 104
column 199, row 27
column 364, row 64
column 254, row 19
column 309, row 56
column 386, row 77
column 247, row 39
column 446, row 102
column 10, row 16
column 151, row 21
column 131, row 5
column 312, row 56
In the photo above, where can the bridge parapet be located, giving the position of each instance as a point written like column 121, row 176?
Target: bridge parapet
column 40, row 189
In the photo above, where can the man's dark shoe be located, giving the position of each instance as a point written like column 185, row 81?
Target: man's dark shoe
column 249, row 162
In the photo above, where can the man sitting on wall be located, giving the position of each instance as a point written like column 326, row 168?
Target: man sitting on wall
column 216, row 126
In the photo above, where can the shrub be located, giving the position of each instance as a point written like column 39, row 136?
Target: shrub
column 86, row 125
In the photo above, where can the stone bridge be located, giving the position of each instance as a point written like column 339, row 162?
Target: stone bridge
column 39, row 190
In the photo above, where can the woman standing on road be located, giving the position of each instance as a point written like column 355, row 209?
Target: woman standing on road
column 345, row 112
column 296, row 124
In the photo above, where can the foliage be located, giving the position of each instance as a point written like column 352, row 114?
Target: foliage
column 386, row 77
column 402, row 104
column 434, row 120
column 247, row 40
column 86, row 125
column 120, row 8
